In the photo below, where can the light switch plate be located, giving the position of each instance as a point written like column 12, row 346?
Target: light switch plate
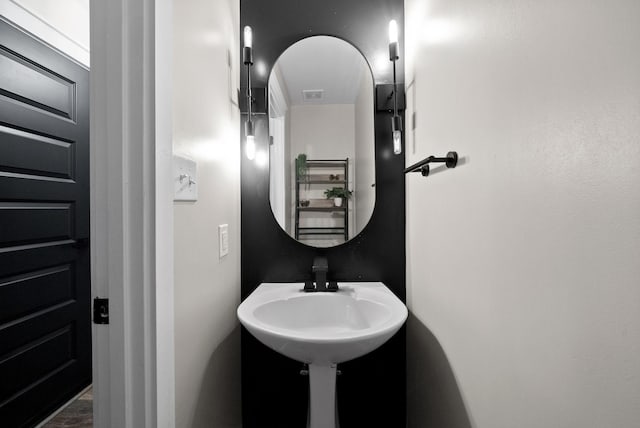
column 223, row 239
column 185, row 179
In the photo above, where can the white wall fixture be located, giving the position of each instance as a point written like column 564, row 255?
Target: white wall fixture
column 396, row 120
column 185, row 183
column 247, row 59
column 223, row 239
column 322, row 329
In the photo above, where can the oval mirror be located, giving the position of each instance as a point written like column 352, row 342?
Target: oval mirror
column 322, row 152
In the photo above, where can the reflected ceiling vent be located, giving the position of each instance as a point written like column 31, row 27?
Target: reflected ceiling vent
column 310, row 95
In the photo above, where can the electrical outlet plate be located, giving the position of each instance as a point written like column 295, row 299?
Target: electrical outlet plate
column 223, row 239
column 185, row 179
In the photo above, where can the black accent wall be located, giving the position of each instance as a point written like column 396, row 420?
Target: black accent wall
column 371, row 389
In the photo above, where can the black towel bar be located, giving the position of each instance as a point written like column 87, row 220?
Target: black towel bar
column 450, row 160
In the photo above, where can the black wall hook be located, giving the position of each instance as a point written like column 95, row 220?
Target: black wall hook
column 450, row 160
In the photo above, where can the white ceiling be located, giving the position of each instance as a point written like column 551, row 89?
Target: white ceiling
column 322, row 63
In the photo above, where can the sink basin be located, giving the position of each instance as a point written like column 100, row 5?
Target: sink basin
column 322, row 328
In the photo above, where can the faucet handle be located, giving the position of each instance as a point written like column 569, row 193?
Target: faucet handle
column 309, row 287
column 333, row 286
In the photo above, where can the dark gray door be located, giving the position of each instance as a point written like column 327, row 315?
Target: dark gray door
column 45, row 330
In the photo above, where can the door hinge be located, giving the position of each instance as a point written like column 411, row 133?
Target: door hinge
column 100, row 311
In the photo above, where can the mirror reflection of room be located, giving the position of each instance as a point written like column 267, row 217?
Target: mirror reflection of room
column 322, row 154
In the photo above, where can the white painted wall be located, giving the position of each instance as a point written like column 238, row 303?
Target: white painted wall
column 523, row 263
column 279, row 150
column 207, row 288
column 325, row 131
column 63, row 24
column 364, row 195
column 289, row 179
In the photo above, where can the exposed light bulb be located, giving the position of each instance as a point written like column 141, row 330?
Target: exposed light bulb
column 396, row 121
column 393, row 31
column 397, row 142
column 248, row 37
column 247, row 58
column 250, row 147
column 396, row 132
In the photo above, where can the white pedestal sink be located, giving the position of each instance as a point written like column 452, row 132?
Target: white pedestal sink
column 322, row 330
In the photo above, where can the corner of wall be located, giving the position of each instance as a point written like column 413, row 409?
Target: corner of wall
column 207, row 287
column 522, row 261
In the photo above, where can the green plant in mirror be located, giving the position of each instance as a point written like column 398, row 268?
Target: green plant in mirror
column 338, row 192
column 301, row 164
column 302, row 169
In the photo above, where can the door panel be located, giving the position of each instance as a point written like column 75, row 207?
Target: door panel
column 53, row 286
column 45, row 316
column 32, row 154
column 29, row 222
column 31, row 83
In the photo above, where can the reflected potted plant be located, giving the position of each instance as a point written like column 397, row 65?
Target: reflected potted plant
column 301, row 165
column 338, row 194
column 302, row 169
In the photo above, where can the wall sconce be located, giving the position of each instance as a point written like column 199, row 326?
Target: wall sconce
column 247, row 59
column 396, row 120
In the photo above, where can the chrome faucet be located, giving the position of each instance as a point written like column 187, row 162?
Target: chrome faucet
column 320, row 268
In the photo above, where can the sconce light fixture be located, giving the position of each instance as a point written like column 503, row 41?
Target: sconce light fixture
column 247, row 59
column 396, row 120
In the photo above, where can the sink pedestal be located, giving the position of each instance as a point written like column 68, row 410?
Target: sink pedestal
column 322, row 330
column 322, row 396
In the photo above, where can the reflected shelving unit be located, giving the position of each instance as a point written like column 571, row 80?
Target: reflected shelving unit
column 320, row 174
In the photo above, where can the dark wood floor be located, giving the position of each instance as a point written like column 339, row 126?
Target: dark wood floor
column 78, row 414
